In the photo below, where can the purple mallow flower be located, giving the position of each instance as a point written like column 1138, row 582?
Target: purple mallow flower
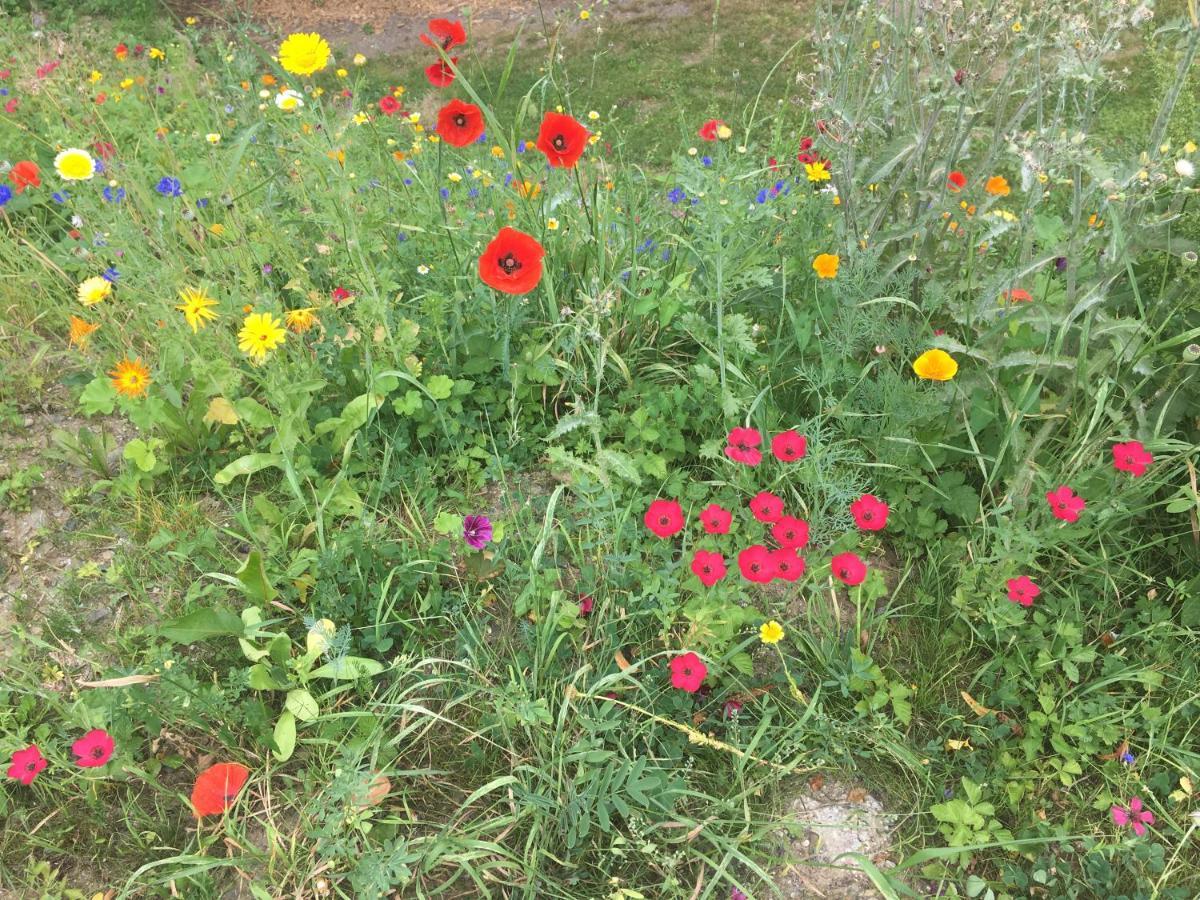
column 477, row 531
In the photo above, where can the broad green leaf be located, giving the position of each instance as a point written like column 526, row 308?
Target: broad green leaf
column 139, row 453
column 285, row 736
column 248, row 465
column 253, row 576
column 201, row 624
column 98, row 397
column 348, row 668
column 440, row 387
column 302, row 705
column 259, row 678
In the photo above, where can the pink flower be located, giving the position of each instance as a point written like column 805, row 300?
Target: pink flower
column 767, row 507
column 848, row 568
column 708, row 566
column 1022, row 590
column 1065, row 504
column 1131, row 457
column 687, row 672
column 716, row 519
column 585, row 605
column 743, row 446
column 789, row 565
column 93, row 749
column 870, row 513
column 789, row 446
column 664, row 518
column 1135, row 817
column 26, row 764
column 790, row 532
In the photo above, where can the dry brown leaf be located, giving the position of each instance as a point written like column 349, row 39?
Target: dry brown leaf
column 123, row 681
column 976, row 707
column 857, row 795
column 622, row 662
column 816, row 782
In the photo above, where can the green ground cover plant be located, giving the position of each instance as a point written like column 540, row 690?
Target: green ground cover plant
column 489, row 496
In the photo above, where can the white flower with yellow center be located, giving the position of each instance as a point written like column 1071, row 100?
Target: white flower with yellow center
column 289, row 100
column 74, row 164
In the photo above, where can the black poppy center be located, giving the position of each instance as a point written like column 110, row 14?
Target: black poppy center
column 559, row 142
column 460, row 120
column 510, row 264
column 663, row 520
column 97, row 752
column 30, row 767
column 868, row 515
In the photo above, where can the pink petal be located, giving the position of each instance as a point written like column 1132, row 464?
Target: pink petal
column 1135, row 805
column 1119, row 815
column 1139, row 829
column 1148, row 817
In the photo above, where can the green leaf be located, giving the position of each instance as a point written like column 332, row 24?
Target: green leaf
column 248, row 465
column 98, row 397
column 302, row 705
column 447, row 523
column 253, row 576
column 440, row 387
column 348, row 668
column 259, row 678
column 253, row 413
column 285, row 736
column 201, row 624
column 139, row 453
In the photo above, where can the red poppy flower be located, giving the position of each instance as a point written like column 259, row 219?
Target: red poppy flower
column 120, row 51
column 340, row 295
column 512, row 262
column 217, row 787
column 664, row 518
column 743, row 446
column 687, row 672
column 708, row 566
column 790, row 532
column 585, row 605
column 27, row 764
column 956, row 181
column 562, row 139
column 789, row 565
column 767, row 507
column 1131, row 457
column 848, row 568
column 446, row 34
column 93, row 749
column 1017, row 295
column 441, row 73
column 805, row 158
column 389, row 105
column 716, row 519
column 708, row 131
column 806, row 143
column 1022, row 590
column 870, row 513
column 1065, row 504
column 25, row 174
column 460, row 123
column 756, row 564
column 789, row 446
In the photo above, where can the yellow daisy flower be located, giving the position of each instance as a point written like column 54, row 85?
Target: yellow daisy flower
column 196, row 307
column 74, row 164
column 816, row 171
column 261, row 333
column 303, row 54
column 94, row 290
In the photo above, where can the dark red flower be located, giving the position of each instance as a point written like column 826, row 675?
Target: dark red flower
column 389, row 105
column 767, row 507
column 708, row 566
column 441, row 73
column 756, row 564
column 217, row 787
column 1022, row 590
column 716, row 519
column 104, row 149
column 1131, row 457
column 687, row 672
column 789, row 565
column 664, row 518
column 340, row 295
column 959, row 76
column 731, row 709
column 446, row 34
column 848, row 568
column 25, row 174
column 789, row 446
column 790, row 532
column 956, row 181
column 1065, row 504
column 512, row 262
column 708, row 131
column 806, row 143
column 460, row 123
column 585, row 605
column 742, row 446
column 870, row 513
column 562, row 139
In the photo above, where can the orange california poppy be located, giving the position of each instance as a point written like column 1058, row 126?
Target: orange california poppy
column 217, row 787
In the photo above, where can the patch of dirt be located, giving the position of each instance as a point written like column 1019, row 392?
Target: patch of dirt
column 831, row 820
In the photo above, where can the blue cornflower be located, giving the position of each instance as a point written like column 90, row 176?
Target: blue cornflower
column 5, row 194
column 707, row 161
column 113, row 196
column 520, row 146
column 625, row 275
column 402, row 237
column 445, row 192
column 3, row 92
column 111, row 275
column 482, row 138
column 666, row 254
column 473, row 193
column 676, row 195
column 228, row 107
column 169, row 187
column 647, row 244
column 59, row 197
column 508, row 179
column 1127, row 758
column 761, row 196
column 408, row 182
column 99, row 166
column 202, row 202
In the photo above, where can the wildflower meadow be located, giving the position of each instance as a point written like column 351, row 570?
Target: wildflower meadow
column 700, row 452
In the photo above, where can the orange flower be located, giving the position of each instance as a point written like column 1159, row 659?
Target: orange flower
column 826, row 265
column 1018, row 295
column 81, row 330
column 997, row 186
column 268, row 79
column 217, row 787
column 130, row 378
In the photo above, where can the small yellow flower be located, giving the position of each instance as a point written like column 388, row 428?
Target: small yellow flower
column 498, row 152
column 94, row 290
column 303, row 54
column 724, row 132
column 155, row 53
column 216, row 229
column 593, row 115
column 997, row 186
column 585, row 14
column 826, row 265
column 300, row 320
column 935, row 365
column 552, row 224
column 130, row 378
column 771, row 632
column 95, row 76
column 126, row 83
column 81, row 331
column 1189, row 147
column 213, row 138
column 190, row 20
column 261, row 333
column 414, row 117
column 196, row 307
column 816, row 172
column 875, row 45
column 341, row 73
column 359, row 59
column 361, row 118
column 454, row 177
column 1016, row 27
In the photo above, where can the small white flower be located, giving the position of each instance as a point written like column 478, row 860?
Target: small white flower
column 423, row 269
column 1184, row 168
column 213, row 138
column 289, row 100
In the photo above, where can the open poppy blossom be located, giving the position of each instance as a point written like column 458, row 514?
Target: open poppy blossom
column 1065, row 504
column 441, row 73
column 716, row 519
column 1131, row 457
column 711, row 129
column 789, row 531
column 1133, row 816
column 1017, row 295
column 664, row 518
column 459, row 123
column 93, row 749
column 789, row 565
column 562, row 139
column 512, row 262
column 445, row 34
column 870, row 513
column 687, row 672
column 742, row 446
column 767, row 507
column 389, row 105
column 25, row 174
column 789, row 446
column 757, row 564
column 1022, row 590
column 585, row 605
column 26, row 764
column 217, row 787
column 848, row 568
column 956, row 181
column 708, row 566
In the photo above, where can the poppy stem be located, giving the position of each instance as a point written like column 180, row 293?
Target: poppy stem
column 583, row 200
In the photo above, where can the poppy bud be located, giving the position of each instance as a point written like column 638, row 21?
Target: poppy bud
column 960, row 76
